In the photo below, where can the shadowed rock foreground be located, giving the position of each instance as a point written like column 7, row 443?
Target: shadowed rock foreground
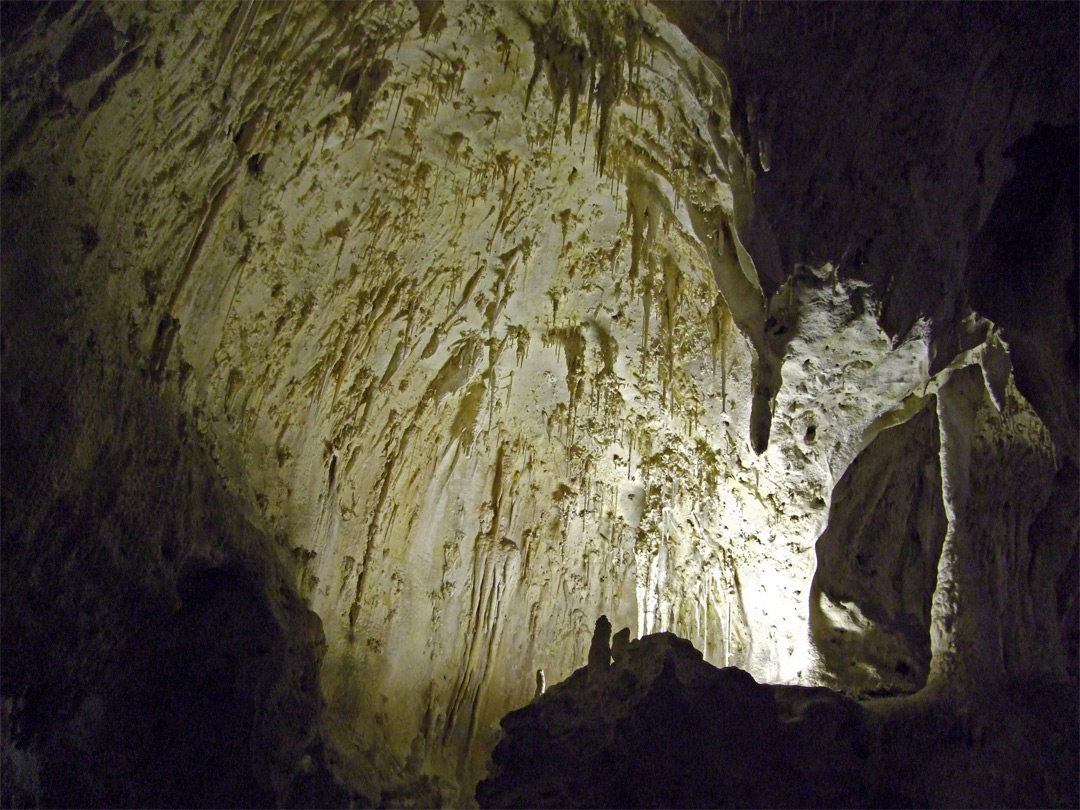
column 664, row 728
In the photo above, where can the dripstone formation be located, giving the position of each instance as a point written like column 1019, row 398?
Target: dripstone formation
column 356, row 357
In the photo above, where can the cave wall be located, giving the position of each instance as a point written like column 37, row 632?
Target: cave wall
column 150, row 632
column 930, row 152
column 459, row 325
column 877, row 563
column 866, row 126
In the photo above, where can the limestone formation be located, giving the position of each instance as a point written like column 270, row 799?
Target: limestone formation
column 618, row 644
column 405, row 336
column 600, row 649
column 668, row 729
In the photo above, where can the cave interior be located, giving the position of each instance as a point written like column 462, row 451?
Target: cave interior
column 357, row 358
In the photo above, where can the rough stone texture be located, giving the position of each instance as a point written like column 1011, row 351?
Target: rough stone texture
column 664, row 728
column 866, row 125
column 148, row 636
column 455, row 326
column 996, row 480
column 878, row 563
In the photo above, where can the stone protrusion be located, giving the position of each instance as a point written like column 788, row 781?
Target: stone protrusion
column 672, row 730
column 600, row 649
column 618, row 644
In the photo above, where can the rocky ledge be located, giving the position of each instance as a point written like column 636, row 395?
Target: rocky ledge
column 661, row 727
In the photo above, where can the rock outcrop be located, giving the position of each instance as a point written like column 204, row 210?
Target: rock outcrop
column 664, row 728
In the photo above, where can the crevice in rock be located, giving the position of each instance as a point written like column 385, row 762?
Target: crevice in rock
column 877, row 564
column 1023, row 270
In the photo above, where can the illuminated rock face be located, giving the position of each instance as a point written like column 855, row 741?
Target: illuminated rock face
column 452, row 303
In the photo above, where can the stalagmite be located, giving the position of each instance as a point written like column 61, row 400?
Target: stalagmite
column 600, row 649
column 618, row 644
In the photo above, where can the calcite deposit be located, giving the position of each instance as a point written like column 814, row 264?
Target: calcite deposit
column 437, row 330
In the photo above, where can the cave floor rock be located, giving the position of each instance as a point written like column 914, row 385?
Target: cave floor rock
column 663, row 728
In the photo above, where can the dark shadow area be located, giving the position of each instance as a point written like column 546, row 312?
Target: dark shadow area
column 662, row 728
column 188, row 718
column 877, row 564
column 874, row 130
column 153, row 653
column 1024, row 275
